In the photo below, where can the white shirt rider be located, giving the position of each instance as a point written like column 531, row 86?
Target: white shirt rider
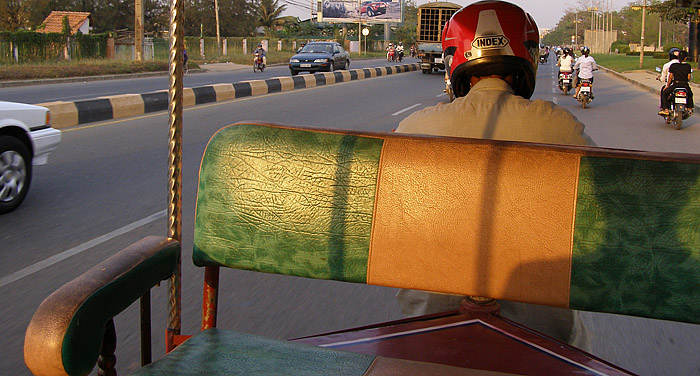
column 565, row 63
column 664, row 70
column 586, row 65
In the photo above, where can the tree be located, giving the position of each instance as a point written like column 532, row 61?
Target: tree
column 628, row 23
column 268, row 14
column 13, row 16
column 407, row 31
column 236, row 18
column 669, row 11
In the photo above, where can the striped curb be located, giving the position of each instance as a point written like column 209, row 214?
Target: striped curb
column 68, row 114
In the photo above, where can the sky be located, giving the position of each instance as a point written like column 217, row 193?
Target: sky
column 545, row 12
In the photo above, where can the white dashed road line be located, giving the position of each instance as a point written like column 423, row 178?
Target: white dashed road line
column 78, row 249
column 405, row 109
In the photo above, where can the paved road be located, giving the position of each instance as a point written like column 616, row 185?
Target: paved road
column 107, row 183
column 74, row 91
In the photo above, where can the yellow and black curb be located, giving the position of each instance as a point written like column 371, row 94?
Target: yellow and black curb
column 68, row 114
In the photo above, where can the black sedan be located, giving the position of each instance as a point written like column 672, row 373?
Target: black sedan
column 319, row 57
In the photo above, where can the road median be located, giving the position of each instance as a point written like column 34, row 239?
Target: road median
column 69, row 114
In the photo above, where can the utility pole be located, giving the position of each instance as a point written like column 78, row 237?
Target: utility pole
column 641, row 53
column 138, row 30
column 593, row 14
column 218, row 38
column 576, row 22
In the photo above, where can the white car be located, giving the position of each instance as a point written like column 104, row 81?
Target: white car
column 26, row 139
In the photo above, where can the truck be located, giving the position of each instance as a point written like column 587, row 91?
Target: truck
column 431, row 19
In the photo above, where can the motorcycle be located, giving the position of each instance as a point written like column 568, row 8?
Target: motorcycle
column 679, row 107
column 585, row 94
column 448, row 88
column 400, row 56
column 258, row 64
column 391, row 55
column 565, row 80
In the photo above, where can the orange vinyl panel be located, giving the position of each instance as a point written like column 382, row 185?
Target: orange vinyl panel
column 438, row 231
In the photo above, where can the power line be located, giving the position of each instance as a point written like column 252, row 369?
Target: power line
column 298, row 4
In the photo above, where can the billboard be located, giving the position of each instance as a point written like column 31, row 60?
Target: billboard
column 369, row 11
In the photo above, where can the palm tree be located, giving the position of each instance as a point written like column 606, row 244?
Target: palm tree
column 268, row 14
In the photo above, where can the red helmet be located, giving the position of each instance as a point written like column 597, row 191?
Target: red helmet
column 491, row 38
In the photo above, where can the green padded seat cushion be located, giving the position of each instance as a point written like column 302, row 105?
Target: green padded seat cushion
column 636, row 240
column 287, row 201
column 224, row 352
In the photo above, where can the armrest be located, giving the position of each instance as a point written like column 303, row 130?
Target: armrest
column 66, row 331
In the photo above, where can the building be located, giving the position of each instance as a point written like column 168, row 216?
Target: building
column 78, row 21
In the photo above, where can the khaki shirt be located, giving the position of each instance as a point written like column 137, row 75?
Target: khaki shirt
column 492, row 111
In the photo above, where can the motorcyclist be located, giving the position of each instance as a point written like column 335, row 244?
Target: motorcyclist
column 260, row 50
column 566, row 61
column 390, row 49
column 413, row 50
column 584, row 66
column 493, row 85
column 672, row 58
column 543, row 54
column 301, row 47
column 399, row 50
column 678, row 76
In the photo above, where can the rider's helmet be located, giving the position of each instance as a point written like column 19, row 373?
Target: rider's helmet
column 673, row 53
column 585, row 50
column 259, row 45
column 491, row 38
column 566, row 51
column 400, row 43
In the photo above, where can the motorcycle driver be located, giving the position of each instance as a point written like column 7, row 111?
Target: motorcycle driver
column 389, row 50
column 678, row 76
column 565, row 61
column 585, row 65
column 672, row 59
column 493, row 85
column 543, row 54
column 260, row 50
column 399, row 49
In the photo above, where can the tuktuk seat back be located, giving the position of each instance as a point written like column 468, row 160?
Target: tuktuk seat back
column 583, row 228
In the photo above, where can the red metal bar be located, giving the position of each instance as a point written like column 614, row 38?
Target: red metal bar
column 210, row 297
